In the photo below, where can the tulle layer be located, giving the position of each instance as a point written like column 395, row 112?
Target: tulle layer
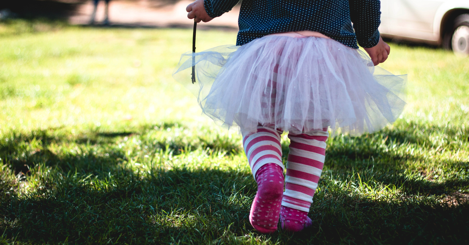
column 294, row 84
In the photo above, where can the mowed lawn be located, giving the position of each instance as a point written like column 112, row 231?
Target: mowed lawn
column 98, row 144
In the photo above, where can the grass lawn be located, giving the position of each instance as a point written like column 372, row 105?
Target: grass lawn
column 98, row 144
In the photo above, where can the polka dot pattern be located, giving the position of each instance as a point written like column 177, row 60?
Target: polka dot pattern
column 332, row 18
column 265, row 209
column 294, row 220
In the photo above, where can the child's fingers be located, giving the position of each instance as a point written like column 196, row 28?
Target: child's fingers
column 202, row 17
column 382, row 57
column 385, row 56
column 374, row 58
column 196, row 18
column 189, row 7
column 378, row 59
column 191, row 15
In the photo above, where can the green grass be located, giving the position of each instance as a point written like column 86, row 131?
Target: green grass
column 98, row 144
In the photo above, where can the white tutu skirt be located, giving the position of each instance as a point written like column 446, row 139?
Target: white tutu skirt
column 293, row 84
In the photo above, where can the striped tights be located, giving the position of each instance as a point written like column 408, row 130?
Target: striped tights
column 304, row 167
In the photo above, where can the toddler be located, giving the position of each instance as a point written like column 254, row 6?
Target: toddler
column 296, row 68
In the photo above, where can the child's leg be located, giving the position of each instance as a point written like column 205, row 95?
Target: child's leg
column 264, row 153
column 304, row 167
column 93, row 14
column 106, row 13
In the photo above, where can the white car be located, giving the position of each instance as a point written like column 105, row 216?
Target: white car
column 440, row 22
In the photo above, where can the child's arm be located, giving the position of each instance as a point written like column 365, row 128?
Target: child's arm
column 206, row 10
column 365, row 16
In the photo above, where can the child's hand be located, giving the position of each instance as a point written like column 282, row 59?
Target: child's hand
column 379, row 53
column 196, row 11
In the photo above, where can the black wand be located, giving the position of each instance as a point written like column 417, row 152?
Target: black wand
column 193, row 51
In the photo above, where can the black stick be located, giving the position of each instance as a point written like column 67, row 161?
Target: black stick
column 193, row 51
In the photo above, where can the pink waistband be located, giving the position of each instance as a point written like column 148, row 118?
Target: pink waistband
column 300, row 34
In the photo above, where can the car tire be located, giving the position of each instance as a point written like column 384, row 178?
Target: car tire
column 460, row 35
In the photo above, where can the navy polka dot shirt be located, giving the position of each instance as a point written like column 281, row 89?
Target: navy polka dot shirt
column 332, row 18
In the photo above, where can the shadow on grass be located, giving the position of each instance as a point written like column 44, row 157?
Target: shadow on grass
column 373, row 158
column 89, row 196
column 177, row 204
column 203, row 206
column 347, row 157
column 93, row 149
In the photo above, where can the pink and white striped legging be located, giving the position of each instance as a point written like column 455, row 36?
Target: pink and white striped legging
column 304, row 165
